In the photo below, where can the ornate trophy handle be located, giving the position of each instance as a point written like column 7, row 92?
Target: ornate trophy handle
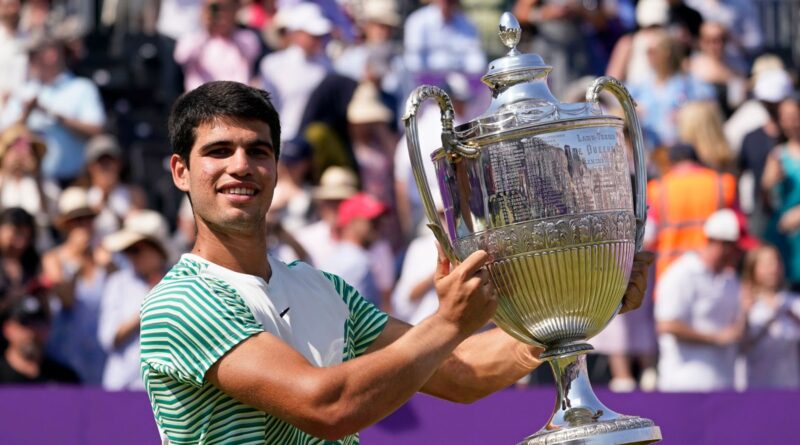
column 619, row 91
column 450, row 145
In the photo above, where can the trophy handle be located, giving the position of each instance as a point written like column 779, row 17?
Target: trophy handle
column 450, row 145
column 619, row 91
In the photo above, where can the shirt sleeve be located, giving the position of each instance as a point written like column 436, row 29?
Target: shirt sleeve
column 189, row 324
column 365, row 322
column 673, row 295
column 109, row 318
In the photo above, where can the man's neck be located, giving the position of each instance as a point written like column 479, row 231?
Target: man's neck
column 28, row 367
column 710, row 261
column 237, row 252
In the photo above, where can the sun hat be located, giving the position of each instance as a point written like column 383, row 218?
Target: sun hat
column 383, row 12
column 366, row 107
column 17, row 131
column 360, row 205
column 143, row 225
column 773, row 86
column 336, row 183
column 74, row 203
column 652, row 13
column 100, row 145
column 308, row 17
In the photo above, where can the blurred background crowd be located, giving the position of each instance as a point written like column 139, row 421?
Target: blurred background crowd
column 90, row 220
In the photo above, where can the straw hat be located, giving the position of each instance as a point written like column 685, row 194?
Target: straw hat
column 336, row 183
column 73, row 203
column 383, row 12
column 17, row 131
column 144, row 225
column 366, row 107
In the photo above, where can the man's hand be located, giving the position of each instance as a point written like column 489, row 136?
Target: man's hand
column 637, row 285
column 466, row 295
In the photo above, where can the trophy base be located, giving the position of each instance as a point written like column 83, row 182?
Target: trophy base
column 579, row 418
column 622, row 431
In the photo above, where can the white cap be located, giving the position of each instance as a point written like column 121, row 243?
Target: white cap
column 773, row 86
column 139, row 226
column 722, row 225
column 308, row 17
column 652, row 13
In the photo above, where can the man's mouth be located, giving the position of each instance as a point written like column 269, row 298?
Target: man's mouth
column 239, row 191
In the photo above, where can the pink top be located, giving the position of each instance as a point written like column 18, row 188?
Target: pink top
column 205, row 58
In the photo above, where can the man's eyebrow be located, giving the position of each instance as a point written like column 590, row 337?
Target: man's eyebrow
column 226, row 142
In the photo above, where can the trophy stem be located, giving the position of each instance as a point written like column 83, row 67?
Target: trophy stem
column 579, row 418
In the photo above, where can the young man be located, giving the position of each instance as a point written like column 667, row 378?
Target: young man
column 238, row 347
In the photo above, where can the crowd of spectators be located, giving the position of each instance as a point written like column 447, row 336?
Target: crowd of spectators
column 90, row 220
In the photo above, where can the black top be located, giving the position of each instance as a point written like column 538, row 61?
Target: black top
column 686, row 16
column 755, row 148
column 51, row 372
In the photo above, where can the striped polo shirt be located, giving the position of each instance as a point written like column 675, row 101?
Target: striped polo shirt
column 201, row 310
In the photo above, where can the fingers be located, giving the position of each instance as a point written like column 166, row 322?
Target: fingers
column 475, row 261
column 637, row 286
column 442, row 263
column 643, row 259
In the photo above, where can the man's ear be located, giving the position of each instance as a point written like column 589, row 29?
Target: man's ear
column 180, row 173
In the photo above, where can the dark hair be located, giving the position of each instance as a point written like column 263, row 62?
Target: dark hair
column 220, row 99
column 18, row 217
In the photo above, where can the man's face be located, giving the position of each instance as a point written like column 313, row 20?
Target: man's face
column 231, row 175
column 27, row 336
column 146, row 258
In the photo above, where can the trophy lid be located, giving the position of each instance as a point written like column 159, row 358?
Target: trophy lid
column 520, row 95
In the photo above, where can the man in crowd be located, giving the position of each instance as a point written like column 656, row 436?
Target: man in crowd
column 698, row 315
column 26, row 326
column 66, row 109
column 237, row 346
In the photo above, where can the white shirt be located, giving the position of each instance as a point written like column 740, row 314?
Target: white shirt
column 122, row 298
column 352, row 263
column 433, row 45
column 14, row 60
column 291, row 77
column 419, row 264
column 774, row 360
column 179, row 17
column 689, row 292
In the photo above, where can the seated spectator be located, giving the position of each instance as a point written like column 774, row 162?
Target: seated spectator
column 700, row 125
column 26, row 328
column 440, row 38
column 76, row 273
column 66, row 109
column 143, row 240
column 711, row 65
column 13, row 57
column 660, row 98
column 19, row 259
column 782, row 181
column 773, row 323
column 698, row 312
column 356, row 230
column 291, row 201
column 219, row 51
column 110, row 198
column 21, row 183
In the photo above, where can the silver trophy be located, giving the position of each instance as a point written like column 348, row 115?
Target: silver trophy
column 545, row 188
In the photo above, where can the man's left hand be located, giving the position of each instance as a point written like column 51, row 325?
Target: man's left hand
column 637, row 286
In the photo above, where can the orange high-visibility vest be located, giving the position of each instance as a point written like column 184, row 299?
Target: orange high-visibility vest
column 682, row 200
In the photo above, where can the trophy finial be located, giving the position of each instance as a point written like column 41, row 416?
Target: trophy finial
column 510, row 32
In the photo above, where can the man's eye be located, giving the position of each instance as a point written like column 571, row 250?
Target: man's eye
column 219, row 152
column 260, row 152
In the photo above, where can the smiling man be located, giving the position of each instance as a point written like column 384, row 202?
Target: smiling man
column 238, row 347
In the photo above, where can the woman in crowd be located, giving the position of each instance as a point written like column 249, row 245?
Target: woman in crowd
column 76, row 272
column 19, row 261
column 772, row 339
column 711, row 65
column 660, row 99
column 781, row 180
column 700, row 125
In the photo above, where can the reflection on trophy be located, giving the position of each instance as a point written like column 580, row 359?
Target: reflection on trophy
column 544, row 187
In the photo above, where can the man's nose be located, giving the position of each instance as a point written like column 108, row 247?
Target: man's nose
column 239, row 163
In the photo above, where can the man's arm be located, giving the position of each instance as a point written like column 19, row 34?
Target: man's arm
column 684, row 332
column 266, row 373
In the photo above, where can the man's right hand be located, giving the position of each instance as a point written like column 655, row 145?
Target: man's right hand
column 467, row 298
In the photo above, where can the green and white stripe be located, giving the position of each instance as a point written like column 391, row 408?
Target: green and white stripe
column 189, row 321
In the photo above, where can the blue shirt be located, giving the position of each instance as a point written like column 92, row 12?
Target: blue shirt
column 433, row 45
column 68, row 96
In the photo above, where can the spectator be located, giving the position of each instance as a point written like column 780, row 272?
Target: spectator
column 219, row 51
column 378, row 20
column 698, row 312
column 629, row 60
column 439, row 38
column 700, row 125
column 357, row 228
column 291, row 74
column 771, row 88
column 21, row 183
column 773, row 323
column 19, row 260
column 26, row 328
column 739, row 16
column 782, row 180
column 13, row 57
column 660, row 99
column 291, row 201
column 76, row 273
column 679, row 203
column 66, row 109
column 110, row 198
column 711, row 65
column 177, row 18
column 143, row 240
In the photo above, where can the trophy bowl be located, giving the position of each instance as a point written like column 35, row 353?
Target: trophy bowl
column 545, row 188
